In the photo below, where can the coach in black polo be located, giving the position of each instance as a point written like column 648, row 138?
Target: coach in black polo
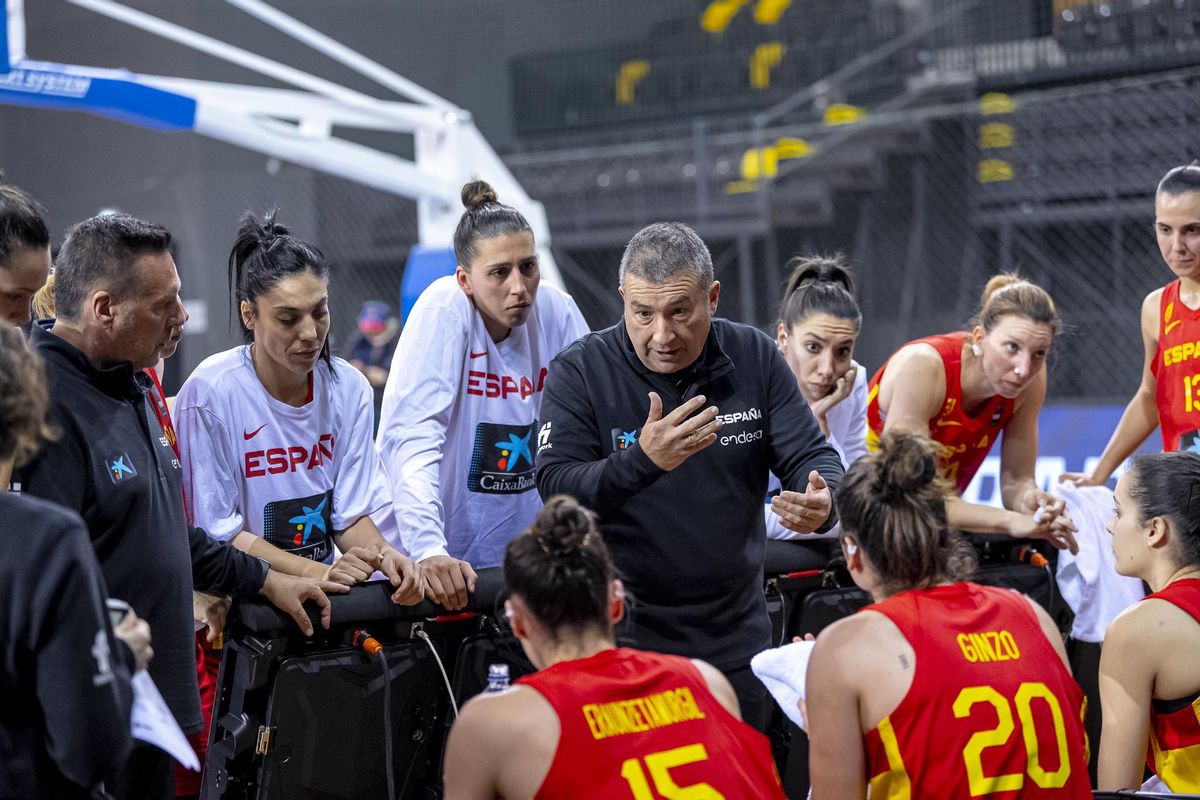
column 119, row 312
column 667, row 424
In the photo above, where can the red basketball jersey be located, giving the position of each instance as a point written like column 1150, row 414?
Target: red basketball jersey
column 1176, row 369
column 644, row 726
column 992, row 710
column 965, row 440
column 1174, row 750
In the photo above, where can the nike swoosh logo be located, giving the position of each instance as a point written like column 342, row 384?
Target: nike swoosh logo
column 944, row 422
column 477, row 355
column 251, row 435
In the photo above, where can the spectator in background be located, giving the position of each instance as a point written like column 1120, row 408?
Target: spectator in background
column 460, row 413
column 378, row 334
column 378, row 330
column 24, row 253
column 64, row 720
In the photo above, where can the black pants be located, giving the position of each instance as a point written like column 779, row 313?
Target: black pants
column 752, row 696
column 1085, row 667
column 148, row 774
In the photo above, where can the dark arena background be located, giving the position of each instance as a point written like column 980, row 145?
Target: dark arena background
column 933, row 143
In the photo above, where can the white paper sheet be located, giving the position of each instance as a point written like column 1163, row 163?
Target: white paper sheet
column 154, row 723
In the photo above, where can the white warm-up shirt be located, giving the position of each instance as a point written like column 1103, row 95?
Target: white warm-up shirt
column 847, row 423
column 293, row 476
column 458, row 428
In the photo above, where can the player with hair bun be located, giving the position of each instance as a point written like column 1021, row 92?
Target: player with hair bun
column 941, row 688
column 964, row 389
column 597, row 720
column 1149, row 685
column 1169, row 394
column 458, row 430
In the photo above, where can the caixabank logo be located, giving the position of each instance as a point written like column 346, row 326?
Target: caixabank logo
column 502, row 458
column 624, row 439
column 302, row 526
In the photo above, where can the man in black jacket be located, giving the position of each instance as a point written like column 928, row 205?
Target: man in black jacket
column 667, row 425
column 119, row 312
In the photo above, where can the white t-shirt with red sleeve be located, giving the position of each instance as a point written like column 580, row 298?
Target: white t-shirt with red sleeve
column 293, row 476
column 458, row 431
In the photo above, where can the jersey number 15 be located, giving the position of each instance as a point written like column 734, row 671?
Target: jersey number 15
column 659, row 766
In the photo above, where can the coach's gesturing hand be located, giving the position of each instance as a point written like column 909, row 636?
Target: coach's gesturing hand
column 805, row 511
column 669, row 441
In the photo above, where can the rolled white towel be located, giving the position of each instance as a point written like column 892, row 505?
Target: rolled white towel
column 1089, row 581
column 782, row 670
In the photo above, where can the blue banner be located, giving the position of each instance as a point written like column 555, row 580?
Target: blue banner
column 5, row 60
column 1070, row 439
column 117, row 99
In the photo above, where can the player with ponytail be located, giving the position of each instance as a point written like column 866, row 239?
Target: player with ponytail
column 275, row 435
column 964, row 389
column 1168, row 397
column 1149, row 685
column 942, row 687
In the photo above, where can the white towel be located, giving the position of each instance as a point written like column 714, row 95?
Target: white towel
column 1089, row 581
column 1155, row 784
column 782, row 670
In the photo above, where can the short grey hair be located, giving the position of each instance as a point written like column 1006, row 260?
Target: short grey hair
column 662, row 251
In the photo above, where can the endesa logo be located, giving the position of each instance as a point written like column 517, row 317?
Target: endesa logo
column 277, row 460
column 487, row 384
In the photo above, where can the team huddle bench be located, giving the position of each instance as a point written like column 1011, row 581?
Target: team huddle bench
column 297, row 718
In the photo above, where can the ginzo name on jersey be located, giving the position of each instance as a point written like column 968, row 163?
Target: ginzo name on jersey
column 277, row 460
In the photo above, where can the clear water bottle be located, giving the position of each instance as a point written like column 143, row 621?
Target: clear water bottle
column 497, row 677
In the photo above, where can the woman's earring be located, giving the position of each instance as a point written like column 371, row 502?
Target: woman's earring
column 977, row 350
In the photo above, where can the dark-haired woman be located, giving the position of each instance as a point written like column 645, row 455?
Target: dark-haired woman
column 942, row 688
column 965, row 389
column 1149, row 684
column 1169, row 394
column 275, row 435
column 819, row 323
column 458, row 431
column 597, row 720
